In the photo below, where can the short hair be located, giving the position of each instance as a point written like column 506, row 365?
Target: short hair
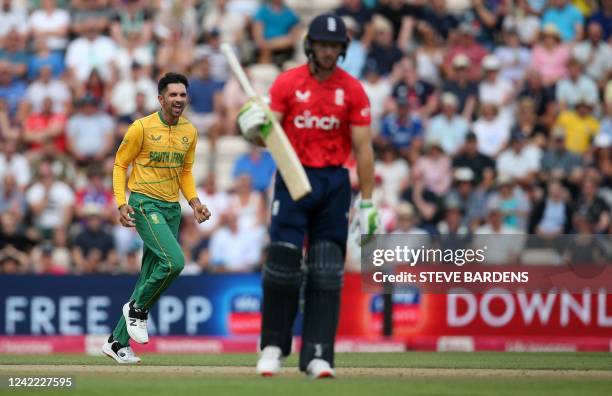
column 171, row 78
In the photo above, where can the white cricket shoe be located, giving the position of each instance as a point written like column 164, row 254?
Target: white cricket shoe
column 136, row 323
column 121, row 355
column 319, row 368
column 269, row 362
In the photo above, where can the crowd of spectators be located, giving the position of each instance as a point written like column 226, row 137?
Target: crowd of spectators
column 489, row 116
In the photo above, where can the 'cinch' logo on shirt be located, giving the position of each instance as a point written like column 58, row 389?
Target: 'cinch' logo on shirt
column 308, row 121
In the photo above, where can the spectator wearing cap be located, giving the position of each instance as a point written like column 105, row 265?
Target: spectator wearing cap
column 394, row 173
column 89, row 132
column 384, row 51
column 557, row 161
column 603, row 16
column 567, row 19
column 78, row 54
column 276, row 29
column 14, row 162
column 492, row 129
column 401, row 129
column 595, row 54
column 229, row 24
column 407, row 220
column 50, row 24
column 378, row 90
column 361, row 15
column 453, row 232
column 552, row 215
column 356, row 53
column 481, row 165
column 93, row 249
column 494, row 88
column 580, row 126
column 420, row 94
column 460, row 85
column 575, row 87
column 466, row 194
column 514, row 58
column 595, row 209
column 466, row 45
column 543, row 97
column 549, row 57
column 448, row 127
column 43, row 125
column 521, row 161
column 602, row 161
column 436, row 15
column 50, row 201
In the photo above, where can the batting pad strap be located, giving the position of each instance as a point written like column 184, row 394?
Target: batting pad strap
column 283, row 267
column 325, row 266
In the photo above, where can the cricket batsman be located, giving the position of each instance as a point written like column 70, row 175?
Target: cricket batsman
column 325, row 113
column 161, row 149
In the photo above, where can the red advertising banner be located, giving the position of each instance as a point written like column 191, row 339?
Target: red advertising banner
column 493, row 320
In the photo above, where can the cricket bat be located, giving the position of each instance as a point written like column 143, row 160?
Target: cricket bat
column 280, row 148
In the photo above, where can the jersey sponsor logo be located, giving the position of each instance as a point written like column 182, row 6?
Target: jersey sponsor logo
column 185, row 141
column 154, row 218
column 154, row 138
column 308, row 121
column 164, row 156
column 302, row 97
column 339, row 98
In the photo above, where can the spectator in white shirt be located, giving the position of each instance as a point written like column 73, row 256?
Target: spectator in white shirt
column 576, row 86
column 394, row 173
column 520, row 161
column 492, row 129
column 12, row 17
column 378, row 90
column 233, row 249
column 89, row 132
column 91, row 51
column 448, row 127
column 493, row 88
column 15, row 163
column 45, row 86
column 595, row 53
column 50, row 23
column 514, row 57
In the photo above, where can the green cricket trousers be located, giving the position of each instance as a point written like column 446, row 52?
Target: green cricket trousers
column 157, row 223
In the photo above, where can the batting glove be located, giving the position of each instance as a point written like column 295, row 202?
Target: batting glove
column 253, row 121
column 367, row 219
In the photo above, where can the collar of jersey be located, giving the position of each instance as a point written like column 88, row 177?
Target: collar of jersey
column 161, row 118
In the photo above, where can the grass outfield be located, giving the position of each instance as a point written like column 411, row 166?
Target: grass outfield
column 411, row 373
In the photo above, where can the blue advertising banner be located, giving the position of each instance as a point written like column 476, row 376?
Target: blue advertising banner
column 73, row 305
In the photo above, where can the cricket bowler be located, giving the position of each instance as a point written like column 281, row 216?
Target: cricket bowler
column 325, row 113
column 161, row 149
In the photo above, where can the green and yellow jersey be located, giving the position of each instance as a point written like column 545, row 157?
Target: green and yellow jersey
column 162, row 159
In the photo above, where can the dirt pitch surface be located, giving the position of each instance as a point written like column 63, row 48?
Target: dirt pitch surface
column 344, row 372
